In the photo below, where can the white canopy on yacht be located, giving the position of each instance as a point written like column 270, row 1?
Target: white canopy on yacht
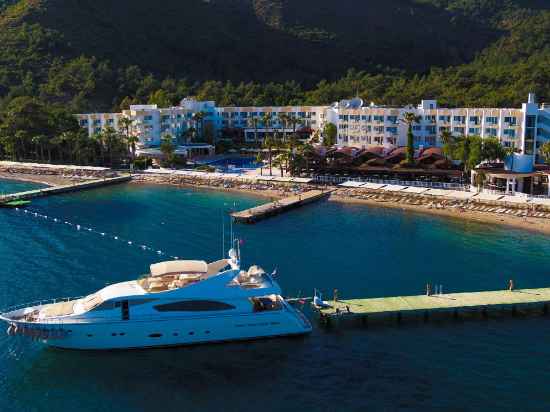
column 178, row 266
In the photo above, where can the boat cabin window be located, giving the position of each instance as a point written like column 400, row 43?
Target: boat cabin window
column 266, row 303
column 194, row 306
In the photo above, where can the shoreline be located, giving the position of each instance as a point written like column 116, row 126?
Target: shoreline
column 47, row 180
column 531, row 224
column 277, row 191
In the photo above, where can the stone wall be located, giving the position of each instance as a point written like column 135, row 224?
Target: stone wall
column 39, row 169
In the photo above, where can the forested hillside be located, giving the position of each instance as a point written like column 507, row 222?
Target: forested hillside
column 86, row 55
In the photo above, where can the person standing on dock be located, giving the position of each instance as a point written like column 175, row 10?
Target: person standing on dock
column 428, row 289
column 336, row 295
column 511, row 285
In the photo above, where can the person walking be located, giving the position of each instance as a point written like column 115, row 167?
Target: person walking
column 511, row 285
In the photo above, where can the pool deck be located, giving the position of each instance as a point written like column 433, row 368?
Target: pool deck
column 424, row 307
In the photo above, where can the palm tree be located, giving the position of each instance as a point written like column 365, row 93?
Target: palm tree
column 253, row 122
column 268, row 144
column 125, row 124
column 284, row 119
column 266, row 120
column 198, row 118
column 448, row 141
column 410, row 118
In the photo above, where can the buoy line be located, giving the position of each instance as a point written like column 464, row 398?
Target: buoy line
column 87, row 229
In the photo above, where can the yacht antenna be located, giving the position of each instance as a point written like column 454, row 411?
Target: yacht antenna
column 231, row 227
column 223, row 234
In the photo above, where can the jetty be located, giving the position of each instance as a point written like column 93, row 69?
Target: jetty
column 264, row 211
column 54, row 190
column 394, row 310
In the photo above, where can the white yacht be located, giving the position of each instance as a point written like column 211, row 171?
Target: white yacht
column 179, row 302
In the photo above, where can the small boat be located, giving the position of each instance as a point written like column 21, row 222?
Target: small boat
column 179, row 302
column 15, row 204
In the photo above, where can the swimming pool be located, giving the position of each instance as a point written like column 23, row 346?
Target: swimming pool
column 229, row 164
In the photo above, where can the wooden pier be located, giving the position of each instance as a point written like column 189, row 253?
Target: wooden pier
column 90, row 184
column 435, row 307
column 264, row 211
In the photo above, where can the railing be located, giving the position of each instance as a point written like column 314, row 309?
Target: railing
column 415, row 183
column 37, row 303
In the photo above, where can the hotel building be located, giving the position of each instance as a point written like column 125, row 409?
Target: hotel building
column 361, row 126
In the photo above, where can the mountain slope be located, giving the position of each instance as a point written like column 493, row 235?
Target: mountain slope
column 257, row 39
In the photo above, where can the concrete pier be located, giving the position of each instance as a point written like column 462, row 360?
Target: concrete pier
column 30, row 194
column 393, row 310
column 257, row 213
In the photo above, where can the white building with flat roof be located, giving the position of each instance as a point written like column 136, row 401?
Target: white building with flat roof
column 359, row 125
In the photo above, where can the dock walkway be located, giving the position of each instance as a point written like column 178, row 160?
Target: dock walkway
column 30, row 194
column 264, row 211
column 424, row 307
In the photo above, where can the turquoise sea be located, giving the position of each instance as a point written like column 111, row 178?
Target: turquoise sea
column 495, row 365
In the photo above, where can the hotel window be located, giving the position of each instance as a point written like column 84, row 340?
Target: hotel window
column 392, row 130
column 445, row 118
column 429, row 119
column 363, row 117
column 510, row 120
column 459, row 119
column 84, row 122
column 97, row 130
column 97, row 122
column 110, row 121
column 459, row 130
column 474, row 119
column 430, row 140
column 379, row 129
column 443, row 129
column 491, row 120
column 473, row 130
column 345, row 117
column 531, row 121
column 509, row 133
column 392, row 119
column 417, row 128
column 165, row 117
column 378, row 118
column 430, row 129
column 491, row 131
column 244, row 114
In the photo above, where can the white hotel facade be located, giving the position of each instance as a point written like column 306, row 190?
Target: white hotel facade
column 361, row 126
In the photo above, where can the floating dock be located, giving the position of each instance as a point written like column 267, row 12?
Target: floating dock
column 257, row 213
column 31, row 194
column 434, row 307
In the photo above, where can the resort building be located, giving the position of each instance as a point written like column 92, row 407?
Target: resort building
column 359, row 126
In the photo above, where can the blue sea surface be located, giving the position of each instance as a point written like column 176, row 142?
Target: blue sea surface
column 494, row 365
column 14, row 186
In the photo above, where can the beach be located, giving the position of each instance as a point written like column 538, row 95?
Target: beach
column 532, row 219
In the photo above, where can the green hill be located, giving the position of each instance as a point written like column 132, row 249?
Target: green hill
column 90, row 55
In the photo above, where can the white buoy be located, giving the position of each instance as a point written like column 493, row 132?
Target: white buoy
column 77, row 227
column 129, row 242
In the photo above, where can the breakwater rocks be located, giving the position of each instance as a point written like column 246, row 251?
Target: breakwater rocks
column 69, row 171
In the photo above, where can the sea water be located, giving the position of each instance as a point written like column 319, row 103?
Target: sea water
column 494, row 365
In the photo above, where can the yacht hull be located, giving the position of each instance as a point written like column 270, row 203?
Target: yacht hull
column 132, row 334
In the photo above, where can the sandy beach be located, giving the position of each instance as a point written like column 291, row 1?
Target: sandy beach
column 272, row 191
column 540, row 225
